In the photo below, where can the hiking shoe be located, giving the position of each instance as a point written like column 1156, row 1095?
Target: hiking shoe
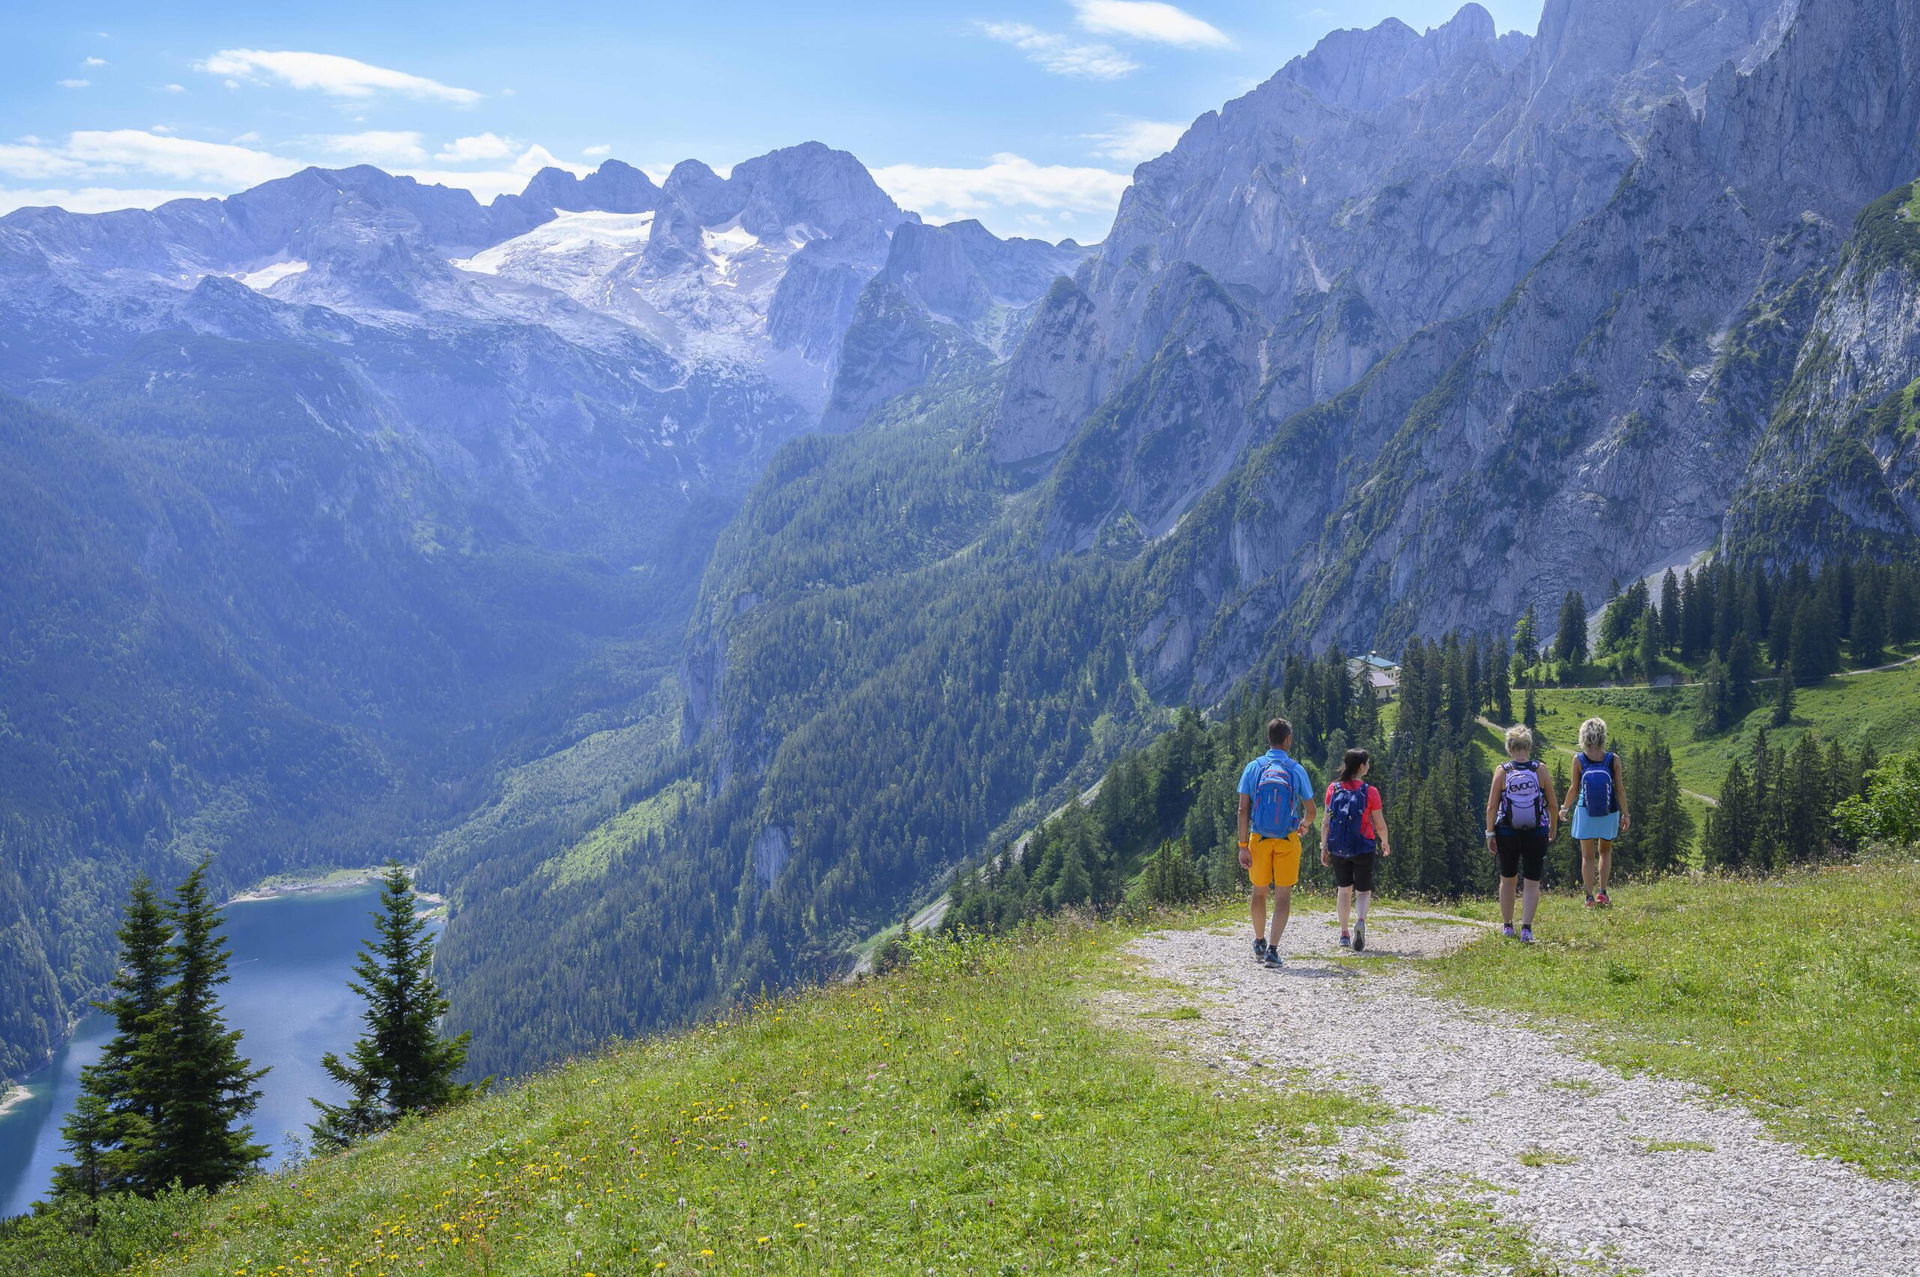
column 1346, row 941
column 1273, row 958
column 1259, row 948
column 1360, row 935
column 1507, row 930
column 1590, row 902
column 1602, row 901
column 1526, row 935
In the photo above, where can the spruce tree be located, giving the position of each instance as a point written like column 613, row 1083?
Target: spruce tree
column 1560, row 782
column 401, row 1064
column 1807, row 813
column 110, row 1134
column 1570, row 641
column 1780, row 630
column 1500, row 670
column 1903, row 606
column 1730, row 826
column 1869, row 639
column 1366, row 714
column 1648, row 637
column 1740, row 673
column 1526, row 642
column 200, row 1137
column 1669, row 610
column 1783, row 696
column 1716, row 699
column 1816, row 643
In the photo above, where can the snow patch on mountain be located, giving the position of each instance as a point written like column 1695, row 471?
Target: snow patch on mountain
column 267, row 276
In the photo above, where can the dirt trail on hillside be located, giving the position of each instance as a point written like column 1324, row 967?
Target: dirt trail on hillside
column 1610, row 1173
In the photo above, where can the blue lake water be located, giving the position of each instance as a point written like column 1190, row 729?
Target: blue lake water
column 292, row 958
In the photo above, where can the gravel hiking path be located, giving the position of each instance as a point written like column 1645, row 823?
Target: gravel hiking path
column 1606, row 1173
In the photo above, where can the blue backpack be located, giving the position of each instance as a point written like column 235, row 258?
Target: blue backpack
column 1346, row 817
column 1275, row 800
column 1596, row 785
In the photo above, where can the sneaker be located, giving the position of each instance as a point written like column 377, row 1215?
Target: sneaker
column 1346, row 940
column 1507, row 930
column 1360, row 935
column 1526, row 935
column 1273, row 958
column 1590, row 901
column 1259, row 948
column 1602, row 901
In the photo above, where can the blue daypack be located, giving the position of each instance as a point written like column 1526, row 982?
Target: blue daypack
column 1596, row 785
column 1276, row 802
column 1346, row 822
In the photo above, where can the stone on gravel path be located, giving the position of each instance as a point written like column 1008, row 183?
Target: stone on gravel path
column 1623, row 1173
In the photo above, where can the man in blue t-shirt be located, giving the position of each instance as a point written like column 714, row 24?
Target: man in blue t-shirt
column 1276, row 808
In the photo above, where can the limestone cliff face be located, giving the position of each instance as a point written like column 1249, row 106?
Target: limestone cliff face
column 1476, row 319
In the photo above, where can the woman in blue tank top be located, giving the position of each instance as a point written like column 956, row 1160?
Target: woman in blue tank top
column 1598, row 804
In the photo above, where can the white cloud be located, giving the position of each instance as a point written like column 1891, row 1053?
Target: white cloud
column 93, row 199
column 173, row 88
column 75, row 84
column 1135, row 141
column 247, row 138
column 89, row 162
column 466, row 150
column 331, row 74
column 161, row 128
column 377, row 146
column 93, row 62
column 1005, row 182
column 596, row 150
column 115, row 151
column 1149, row 20
column 1060, row 54
column 36, row 162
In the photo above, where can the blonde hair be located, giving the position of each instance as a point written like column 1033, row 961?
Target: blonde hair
column 1519, row 739
column 1593, row 735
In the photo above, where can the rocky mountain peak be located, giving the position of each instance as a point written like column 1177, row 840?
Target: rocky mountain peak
column 812, row 185
column 704, row 193
column 612, row 188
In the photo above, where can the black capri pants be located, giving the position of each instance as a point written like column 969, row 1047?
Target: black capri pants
column 1522, row 853
column 1354, row 871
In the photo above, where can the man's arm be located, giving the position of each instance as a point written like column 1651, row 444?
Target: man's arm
column 1246, row 811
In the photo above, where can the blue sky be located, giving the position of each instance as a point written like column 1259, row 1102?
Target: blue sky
column 1026, row 115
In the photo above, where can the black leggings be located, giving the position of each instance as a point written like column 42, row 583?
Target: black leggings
column 1522, row 853
column 1354, row 871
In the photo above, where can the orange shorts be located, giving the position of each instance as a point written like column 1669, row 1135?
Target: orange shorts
column 1275, row 860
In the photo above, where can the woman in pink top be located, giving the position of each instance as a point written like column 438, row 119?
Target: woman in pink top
column 1354, row 831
